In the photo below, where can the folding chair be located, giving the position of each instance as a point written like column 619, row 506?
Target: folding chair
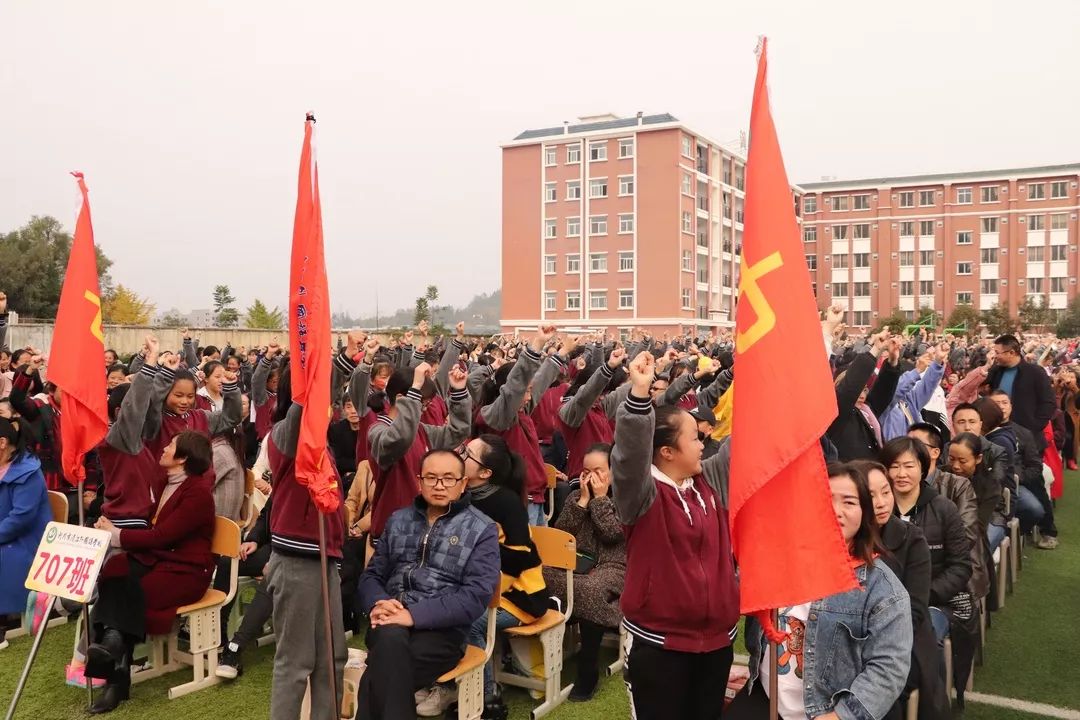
column 58, row 503
column 620, row 661
column 1015, row 554
column 552, row 479
column 469, row 673
column 557, row 549
column 911, row 710
column 204, row 624
column 1001, row 567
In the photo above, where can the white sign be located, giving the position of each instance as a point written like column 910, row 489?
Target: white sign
column 68, row 561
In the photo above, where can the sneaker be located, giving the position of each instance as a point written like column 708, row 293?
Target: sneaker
column 229, row 666
column 437, row 701
column 421, row 695
column 75, row 676
column 37, row 611
column 1047, row 542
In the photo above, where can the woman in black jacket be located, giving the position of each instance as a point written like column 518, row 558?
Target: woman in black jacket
column 855, row 432
column 909, row 558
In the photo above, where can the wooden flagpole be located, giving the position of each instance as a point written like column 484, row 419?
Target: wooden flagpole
column 327, row 624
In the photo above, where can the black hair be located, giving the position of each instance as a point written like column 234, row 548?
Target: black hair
column 443, row 451
column 16, row 355
column 211, row 366
column 209, row 350
column 194, row 449
column 937, row 440
column 181, row 375
column 284, row 392
column 116, row 399
column 376, row 402
column 666, row 433
column 604, row 448
column 400, row 382
column 971, row 441
column 506, row 466
column 115, row 368
column 867, row 541
column 489, row 392
column 999, row 392
column 10, row 431
column 1009, row 342
column 904, row 444
column 965, row 406
column 114, row 353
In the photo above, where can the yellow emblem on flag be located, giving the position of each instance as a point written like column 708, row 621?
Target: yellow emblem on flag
column 95, row 326
column 748, row 287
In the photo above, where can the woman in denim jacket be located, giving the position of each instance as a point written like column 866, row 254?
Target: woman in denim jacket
column 846, row 656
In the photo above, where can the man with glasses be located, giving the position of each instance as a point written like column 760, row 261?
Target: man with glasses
column 1026, row 384
column 432, row 575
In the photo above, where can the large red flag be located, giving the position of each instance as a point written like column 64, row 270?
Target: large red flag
column 77, row 348
column 786, row 537
column 309, row 335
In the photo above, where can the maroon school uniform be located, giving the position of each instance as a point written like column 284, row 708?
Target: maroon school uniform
column 596, row 428
column 521, row 438
column 133, row 483
column 546, row 414
column 263, row 415
column 398, row 485
column 294, row 519
column 436, row 412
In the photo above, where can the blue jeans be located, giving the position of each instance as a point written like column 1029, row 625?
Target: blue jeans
column 1028, row 509
column 536, row 515
column 995, row 534
column 478, row 638
column 940, row 621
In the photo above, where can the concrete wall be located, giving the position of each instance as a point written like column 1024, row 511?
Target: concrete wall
column 127, row 339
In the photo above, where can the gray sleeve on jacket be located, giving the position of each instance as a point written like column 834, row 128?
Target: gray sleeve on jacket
column 446, row 363
column 405, row 356
column 389, row 443
column 137, row 363
column 163, row 382
column 259, row 395
column 574, row 409
column 631, row 459
column 709, row 396
column 475, row 382
column 677, row 389
column 3, row 333
column 190, row 358
column 458, row 424
column 613, row 400
column 126, row 434
column 716, row 470
column 545, row 376
column 360, row 386
column 231, row 409
column 502, row 414
column 286, row 433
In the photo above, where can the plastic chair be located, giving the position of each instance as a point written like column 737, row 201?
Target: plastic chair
column 58, row 502
column 248, row 515
column 204, row 624
column 552, row 479
column 557, row 549
column 469, row 673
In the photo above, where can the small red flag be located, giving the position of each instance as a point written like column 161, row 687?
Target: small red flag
column 309, row 336
column 786, row 538
column 77, row 348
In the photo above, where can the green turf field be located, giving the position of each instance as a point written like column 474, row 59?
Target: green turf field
column 1031, row 655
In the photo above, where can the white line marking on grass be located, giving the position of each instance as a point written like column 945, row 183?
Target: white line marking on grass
column 1034, row 708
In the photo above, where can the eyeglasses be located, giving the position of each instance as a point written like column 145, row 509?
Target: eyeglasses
column 446, row 481
column 463, row 451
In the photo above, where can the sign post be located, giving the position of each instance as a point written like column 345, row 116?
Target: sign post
column 67, row 564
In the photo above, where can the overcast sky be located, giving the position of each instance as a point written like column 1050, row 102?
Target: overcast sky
column 187, row 117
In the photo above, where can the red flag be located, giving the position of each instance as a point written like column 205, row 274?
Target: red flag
column 786, row 538
column 309, row 336
column 77, row 347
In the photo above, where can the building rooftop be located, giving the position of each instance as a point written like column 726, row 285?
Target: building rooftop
column 581, row 127
column 1070, row 169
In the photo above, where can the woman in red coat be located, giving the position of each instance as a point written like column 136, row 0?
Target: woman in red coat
column 159, row 569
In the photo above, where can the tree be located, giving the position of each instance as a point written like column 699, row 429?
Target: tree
column 997, row 320
column 1034, row 314
column 260, row 317
column 964, row 314
column 225, row 315
column 1068, row 324
column 422, row 311
column 174, row 320
column 123, row 307
column 432, row 296
column 896, row 321
column 33, row 260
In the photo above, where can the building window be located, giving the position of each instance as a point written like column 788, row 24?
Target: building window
column 1059, row 252
column 687, row 184
column 809, row 204
column 926, row 228
column 907, row 258
column 702, row 274
column 598, row 299
column 861, row 260
column 963, row 298
column 1036, row 285
column 549, row 156
column 573, row 189
column 573, row 227
column 549, row 264
column 626, row 299
column 861, row 202
column 963, row 237
column 907, row 228
column 598, row 151
column 907, row 288
column 988, row 194
column 988, row 287
column 573, row 263
column 573, row 154
column 926, row 288
column 840, row 289
column 626, row 223
column 598, row 188
column 809, row 234
column 861, row 289
column 839, row 262
column 549, row 191
column 1037, row 253
column 861, row 231
column 1036, row 222
column 549, row 301
column 926, row 198
column 687, row 222
column 861, row 318
column 551, row 230
column 687, row 261
column 907, row 199
column 838, row 203
column 839, row 232
column 626, row 147
column 1057, row 284
column 811, row 262
column 598, row 224
column 988, row 255
column 626, row 261
column 963, row 268
column 598, row 262
column 1059, row 221
column 573, row 299
column 988, row 224
column 963, row 196
column 1036, row 191
column 1058, row 190
column 626, row 185
column 687, row 151
column 686, row 299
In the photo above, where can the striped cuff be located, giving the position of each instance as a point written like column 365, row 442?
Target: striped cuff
column 417, row 355
column 459, row 345
column 606, row 370
column 166, row 373
column 343, row 363
column 533, row 355
column 265, row 361
column 148, row 371
column 230, row 387
column 3, row 320
column 415, row 394
column 693, row 378
column 638, row 406
column 458, row 395
column 558, row 359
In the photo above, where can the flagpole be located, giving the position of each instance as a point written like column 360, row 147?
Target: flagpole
column 85, row 606
column 327, row 625
column 29, row 663
column 774, row 664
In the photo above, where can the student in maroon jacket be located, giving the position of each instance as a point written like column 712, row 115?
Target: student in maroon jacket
column 680, row 602
column 160, row 569
column 180, row 412
column 264, row 390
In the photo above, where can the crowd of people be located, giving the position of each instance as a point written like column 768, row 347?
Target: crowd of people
column 443, row 445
